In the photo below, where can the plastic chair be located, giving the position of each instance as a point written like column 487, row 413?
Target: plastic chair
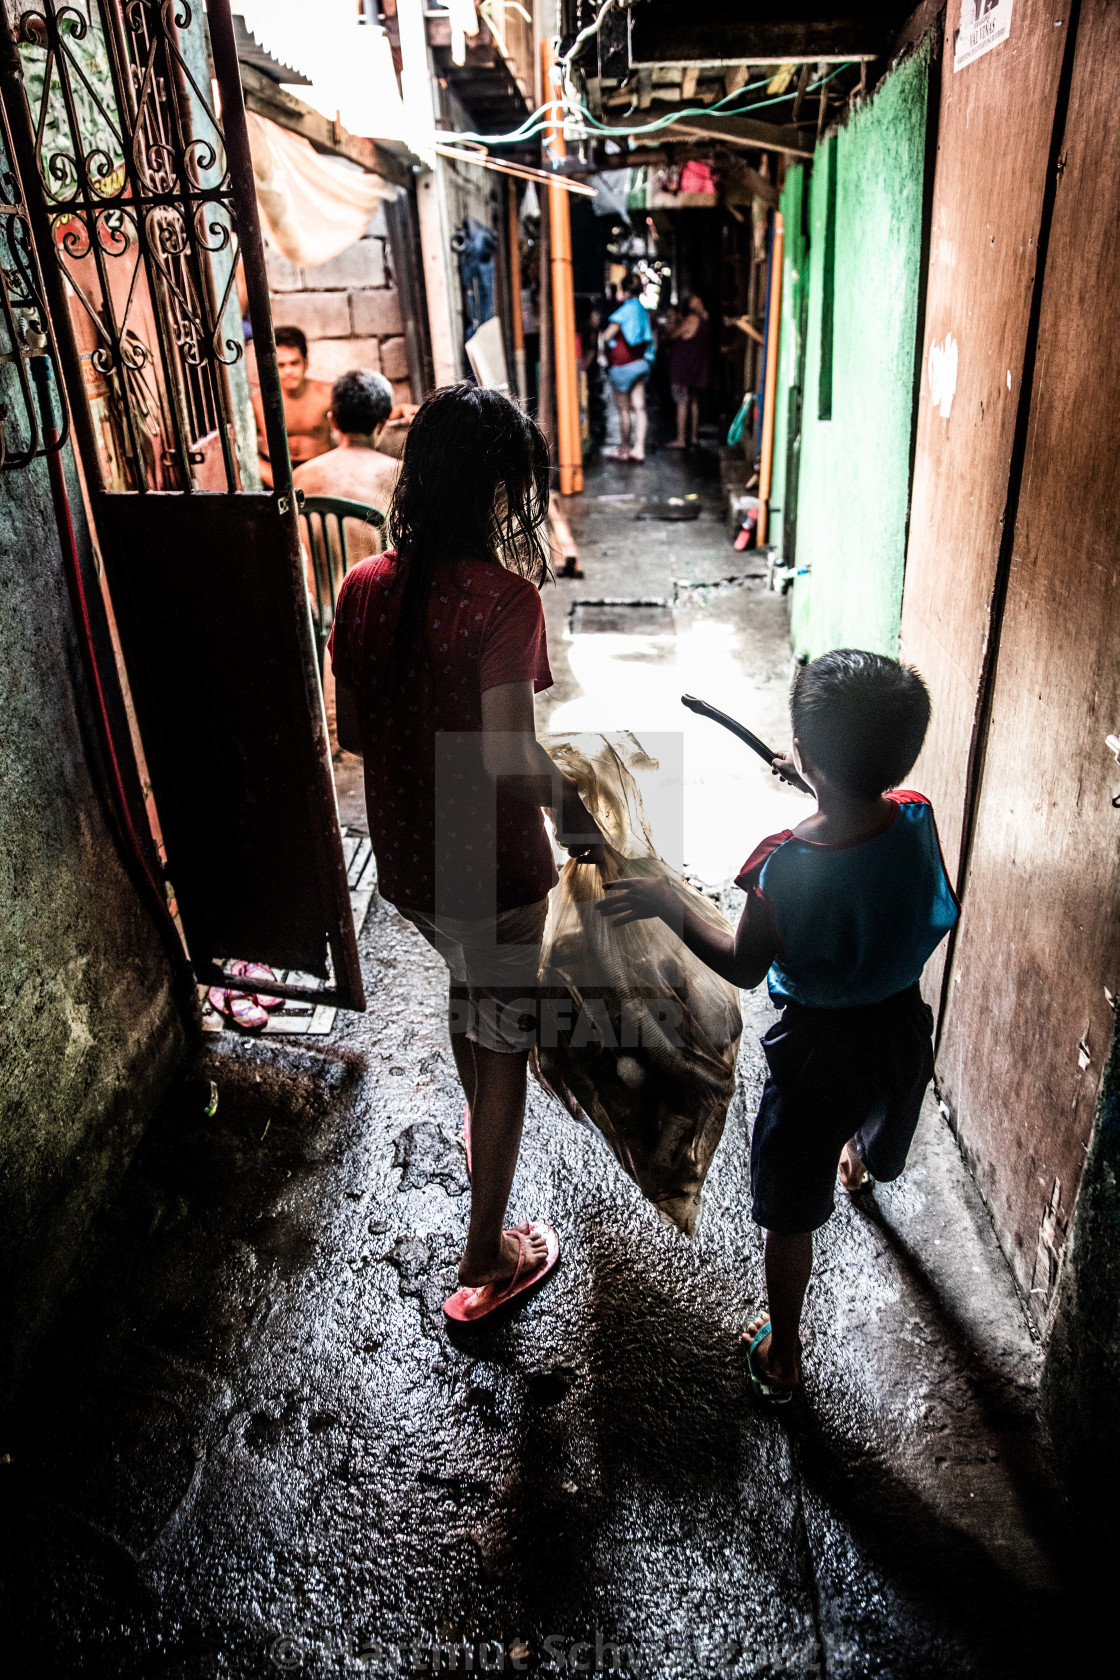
column 323, row 519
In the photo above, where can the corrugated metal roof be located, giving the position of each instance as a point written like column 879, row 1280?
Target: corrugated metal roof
column 249, row 51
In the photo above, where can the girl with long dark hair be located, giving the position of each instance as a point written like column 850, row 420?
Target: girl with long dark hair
column 438, row 647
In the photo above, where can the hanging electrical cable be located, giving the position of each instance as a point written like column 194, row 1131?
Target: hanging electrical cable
column 587, row 34
column 671, row 117
column 553, row 112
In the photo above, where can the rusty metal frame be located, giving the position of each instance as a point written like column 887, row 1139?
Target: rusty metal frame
column 24, row 317
column 196, row 207
column 147, row 190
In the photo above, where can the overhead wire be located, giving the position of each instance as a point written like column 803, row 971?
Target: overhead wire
column 563, row 109
column 702, row 110
column 544, row 117
column 593, row 28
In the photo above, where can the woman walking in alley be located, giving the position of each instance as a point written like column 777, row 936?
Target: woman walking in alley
column 629, row 344
column 689, row 357
column 438, row 647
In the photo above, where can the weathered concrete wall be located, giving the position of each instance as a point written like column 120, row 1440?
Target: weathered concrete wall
column 348, row 307
column 89, row 1032
column 855, row 466
column 1081, row 1377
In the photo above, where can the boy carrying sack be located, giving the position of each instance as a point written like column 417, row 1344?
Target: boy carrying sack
column 842, row 914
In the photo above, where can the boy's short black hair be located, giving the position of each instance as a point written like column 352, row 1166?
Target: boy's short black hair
column 292, row 338
column 361, row 401
column 861, row 718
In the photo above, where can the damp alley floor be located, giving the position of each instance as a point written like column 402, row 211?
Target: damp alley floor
column 250, row 1446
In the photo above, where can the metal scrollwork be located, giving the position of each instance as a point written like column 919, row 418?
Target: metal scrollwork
column 25, row 328
column 135, row 177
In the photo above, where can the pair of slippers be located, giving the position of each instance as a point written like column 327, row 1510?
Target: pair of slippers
column 247, row 1010
column 470, row 1306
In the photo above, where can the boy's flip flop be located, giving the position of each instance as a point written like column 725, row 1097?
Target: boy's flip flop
column 765, row 1389
column 469, row 1306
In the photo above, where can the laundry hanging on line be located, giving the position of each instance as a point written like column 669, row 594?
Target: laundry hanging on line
column 311, row 207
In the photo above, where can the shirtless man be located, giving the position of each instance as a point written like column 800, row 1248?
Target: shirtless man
column 306, row 405
column 357, row 471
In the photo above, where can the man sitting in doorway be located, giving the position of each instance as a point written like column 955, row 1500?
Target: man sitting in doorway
column 356, row 471
column 306, row 405
column 361, row 403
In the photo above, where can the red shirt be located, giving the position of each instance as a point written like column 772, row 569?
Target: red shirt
column 485, row 628
column 621, row 354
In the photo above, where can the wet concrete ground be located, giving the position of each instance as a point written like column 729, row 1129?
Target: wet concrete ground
column 252, row 1448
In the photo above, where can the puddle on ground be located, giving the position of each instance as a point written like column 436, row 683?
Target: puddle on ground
column 635, row 680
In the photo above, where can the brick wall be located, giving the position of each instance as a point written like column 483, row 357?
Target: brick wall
column 348, row 308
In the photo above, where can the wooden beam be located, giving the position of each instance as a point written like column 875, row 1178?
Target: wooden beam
column 760, row 185
column 916, row 27
column 673, row 37
column 743, row 131
column 660, row 157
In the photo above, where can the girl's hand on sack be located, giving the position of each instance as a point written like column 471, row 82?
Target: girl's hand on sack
column 584, row 851
column 576, row 829
column 638, row 900
column 784, row 765
column 585, row 840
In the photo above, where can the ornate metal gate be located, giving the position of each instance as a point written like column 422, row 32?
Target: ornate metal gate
column 128, row 126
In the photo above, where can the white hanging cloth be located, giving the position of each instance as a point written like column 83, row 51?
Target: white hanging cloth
column 311, row 207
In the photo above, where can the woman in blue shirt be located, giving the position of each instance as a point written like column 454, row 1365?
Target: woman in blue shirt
column 629, row 344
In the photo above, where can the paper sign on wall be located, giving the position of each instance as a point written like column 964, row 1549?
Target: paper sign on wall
column 984, row 25
column 942, row 366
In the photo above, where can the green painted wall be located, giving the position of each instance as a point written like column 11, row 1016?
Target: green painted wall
column 795, row 278
column 855, row 467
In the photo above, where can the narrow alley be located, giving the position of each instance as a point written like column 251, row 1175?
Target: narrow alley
column 399, row 400
column 254, row 1442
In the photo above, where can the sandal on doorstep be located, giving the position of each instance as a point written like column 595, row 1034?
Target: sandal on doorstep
column 257, row 971
column 763, row 1387
column 239, row 1007
column 469, row 1306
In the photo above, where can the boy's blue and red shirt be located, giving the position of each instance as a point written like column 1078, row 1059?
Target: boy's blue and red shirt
column 854, row 923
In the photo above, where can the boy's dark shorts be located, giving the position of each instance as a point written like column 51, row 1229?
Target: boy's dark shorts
column 836, row 1074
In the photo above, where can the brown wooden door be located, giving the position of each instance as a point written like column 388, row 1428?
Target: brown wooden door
column 142, row 201
column 1028, row 1018
column 994, row 134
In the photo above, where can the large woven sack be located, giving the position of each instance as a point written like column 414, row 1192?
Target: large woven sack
column 647, row 1047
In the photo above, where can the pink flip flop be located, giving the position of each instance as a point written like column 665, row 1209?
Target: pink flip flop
column 467, row 1138
column 244, row 1011
column 468, row 1306
column 257, row 971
